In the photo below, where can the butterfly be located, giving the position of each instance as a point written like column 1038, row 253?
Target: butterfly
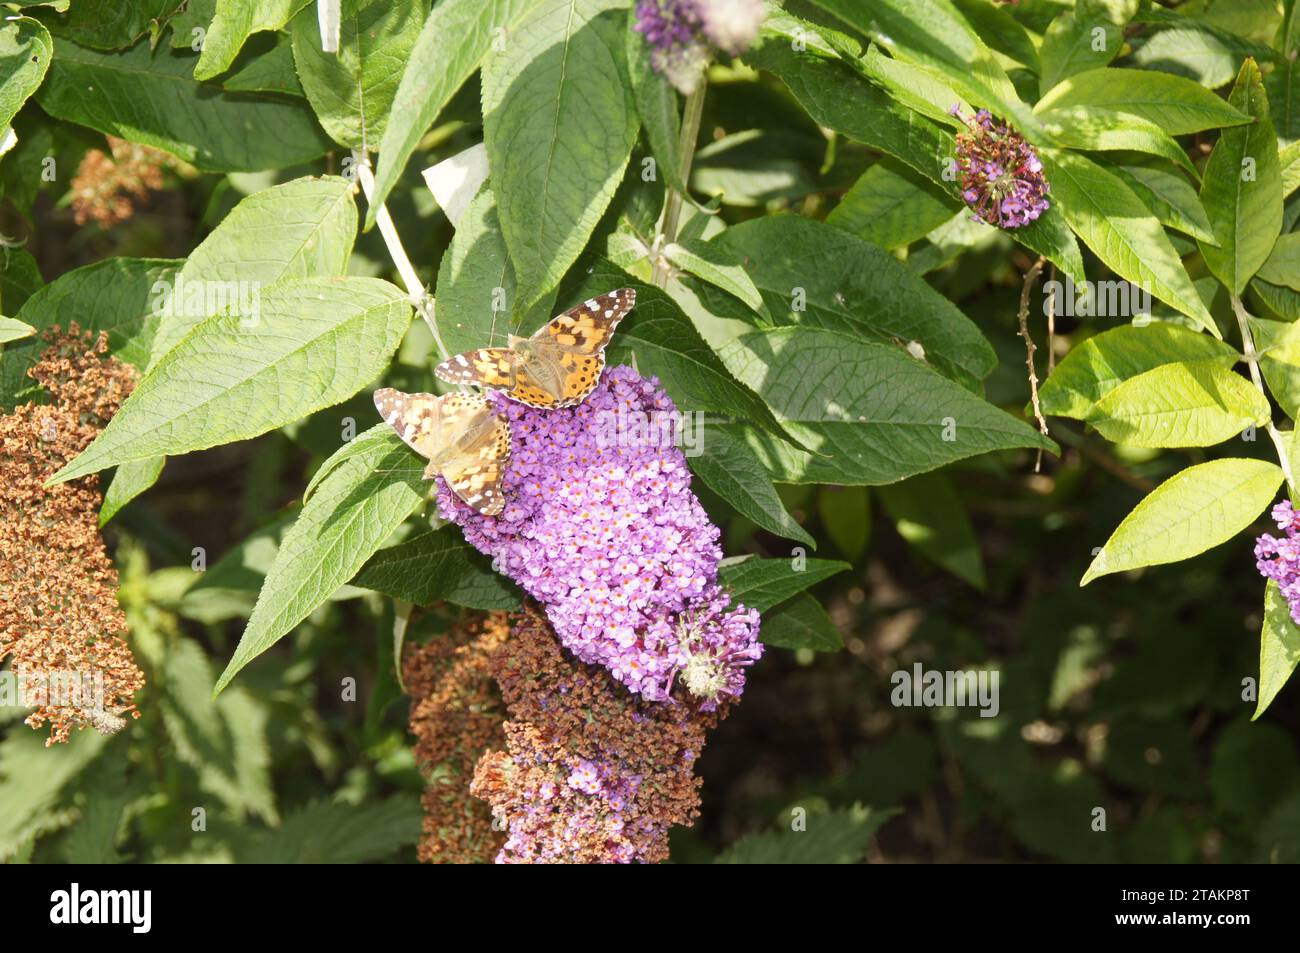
column 461, row 437
column 556, row 367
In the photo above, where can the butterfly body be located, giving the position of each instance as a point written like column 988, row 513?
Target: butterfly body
column 556, row 367
column 465, row 442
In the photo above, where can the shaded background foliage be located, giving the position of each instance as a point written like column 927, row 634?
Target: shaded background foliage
column 1125, row 696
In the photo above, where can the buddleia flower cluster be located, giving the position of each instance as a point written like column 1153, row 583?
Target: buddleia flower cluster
column 1279, row 559
column 684, row 34
column 589, row 773
column 1001, row 175
column 108, row 189
column 456, row 717
column 61, row 627
column 601, row 528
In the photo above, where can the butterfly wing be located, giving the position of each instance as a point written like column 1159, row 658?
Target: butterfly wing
column 416, row 418
column 476, row 464
column 568, row 353
column 459, row 435
column 501, row 369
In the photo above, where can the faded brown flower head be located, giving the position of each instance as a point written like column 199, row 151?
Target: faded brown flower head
column 61, row 627
column 108, row 189
column 591, row 773
column 456, row 715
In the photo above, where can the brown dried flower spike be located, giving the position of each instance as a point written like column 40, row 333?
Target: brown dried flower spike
column 109, row 190
column 60, row 623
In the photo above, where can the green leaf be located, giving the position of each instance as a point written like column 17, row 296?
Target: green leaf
column 476, row 281
column 835, row 837
column 1283, row 87
column 352, row 90
column 304, row 228
column 1279, row 348
column 800, row 623
column 1104, row 130
column 853, row 286
column 233, row 23
column 663, row 342
column 559, row 124
column 316, row 342
column 1072, row 45
column 152, row 98
column 20, row 278
column 1169, row 196
column 116, row 295
column 1242, row 190
column 1194, row 510
column 1176, row 105
column 25, row 52
column 929, row 515
column 1279, row 647
column 892, row 206
column 730, row 469
column 1100, row 363
column 32, row 778
column 763, row 584
column 456, row 37
column 129, row 481
column 1114, row 223
column 870, row 414
column 932, row 33
column 711, row 262
column 1000, row 30
column 916, row 87
column 14, row 330
column 108, row 24
column 265, row 66
column 1183, row 404
column 1282, row 267
column 437, row 565
column 1195, row 50
column 339, row 833
column 656, row 104
column 352, row 513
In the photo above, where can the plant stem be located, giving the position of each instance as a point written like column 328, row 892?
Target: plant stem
column 420, row 299
column 689, row 133
column 1252, row 361
column 1031, row 276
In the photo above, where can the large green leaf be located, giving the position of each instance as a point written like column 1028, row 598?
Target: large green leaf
column 1182, row 404
column 891, row 206
column 1194, row 510
column 316, row 342
column 116, row 295
column 1121, row 231
column 763, row 584
column 559, row 124
column 1085, row 38
column 1242, row 190
column 1104, row 130
column 1282, row 267
column 816, row 276
column 656, row 104
column 663, row 342
column 730, row 468
column 800, row 623
column 233, row 23
column 928, row 514
column 129, row 481
column 437, row 565
column 870, row 414
column 476, row 282
column 1175, row 104
column 352, row 513
column 25, row 51
column 456, row 37
column 1279, row 647
column 339, row 833
column 1100, row 363
column 352, row 90
column 152, row 98
column 299, row 229
column 1169, row 196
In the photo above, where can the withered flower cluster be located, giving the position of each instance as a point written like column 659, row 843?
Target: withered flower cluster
column 61, row 627
column 591, row 773
column 108, row 189
column 456, row 716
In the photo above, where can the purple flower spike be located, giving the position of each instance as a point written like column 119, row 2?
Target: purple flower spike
column 606, row 534
column 1001, row 175
column 1279, row 559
